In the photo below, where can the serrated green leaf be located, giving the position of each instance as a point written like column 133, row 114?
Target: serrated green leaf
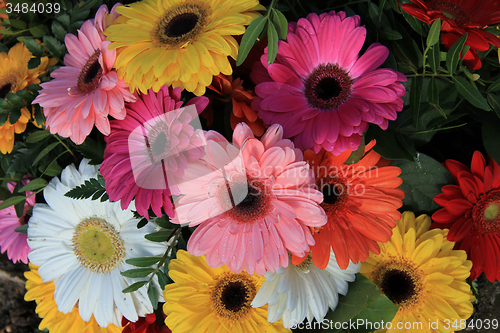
column 93, row 150
column 86, row 190
column 55, row 47
column 14, row 116
column 12, row 201
column 494, row 101
column 162, row 279
column 143, row 262
column 280, row 23
column 153, row 296
column 18, row 24
column 39, row 31
column 491, row 139
column 53, row 169
column 58, row 30
column 64, row 19
column 248, row 40
column 33, row 185
column 422, row 181
column 164, row 222
column 272, row 45
column 134, row 286
column 33, row 46
column 434, row 57
column 434, row 32
column 25, row 95
column 22, row 229
column 138, row 272
column 15, row 100
column 415, row 100
column 37, row 136
column 470, row 93
column 495, row 86
column 39, row 117
column 453, row 54
column 45, row 151
column 160, row 236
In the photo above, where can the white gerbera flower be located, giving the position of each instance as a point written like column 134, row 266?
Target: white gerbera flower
column 82, row 246
column 304, row 290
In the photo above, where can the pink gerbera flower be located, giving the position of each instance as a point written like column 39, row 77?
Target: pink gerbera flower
column 86, row 90
column 150, row 148
column 253, row 203
column 11, row 241
column 320, row 91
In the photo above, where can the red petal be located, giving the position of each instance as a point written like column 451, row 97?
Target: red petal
column 458, row 206
column 478, row 164
column 460, row 229
column 442, row 216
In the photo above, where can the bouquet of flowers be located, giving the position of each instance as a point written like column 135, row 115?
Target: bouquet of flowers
column 243, row 166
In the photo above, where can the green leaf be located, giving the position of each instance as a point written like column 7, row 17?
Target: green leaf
column 415, row 100
column 153, row 296
column 422, row 181
column 357, row 154
column 64, row 19
column 33, row 46
column 434, row 32
column 280, row 23
column 134, row 286
column 160, row 236
column 18, row 24
column 164, row 222
column 58, row 30
column 387, row 33
column 494, row 101
column 39, row 117
column 85, row 5
column 88, row 189
column 495, row 86
column 382, row 310
column 33, row 185
column 470, row 93
column 53, row 169
column 22, row 229
column 14, row 116
column 491, row 139
column 55, row 47
column 37, row 136
column 15, row 100
column 453, row 55
column 12, row 201
column 39, row 31
column 434, row 58
column 138, row 272
column 387, row 144
column 162, row 279
column 93, row 150
column 45, row 151
column 143, row 262
column 272, row 44
column 251, row 34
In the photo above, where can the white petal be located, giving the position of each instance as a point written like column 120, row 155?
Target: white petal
column 69, row 287
column 123, row 301
column 57, row 266
column 90, row 295
column 104, row 314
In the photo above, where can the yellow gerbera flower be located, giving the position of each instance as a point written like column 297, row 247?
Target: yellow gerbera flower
column 182, row 43
column 419, row 270
column 53, row 320
column 15, row 76
column 205, row 299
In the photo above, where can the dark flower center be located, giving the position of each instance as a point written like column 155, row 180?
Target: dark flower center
column 398, row 286
column 328, row 87
column 451, row 11
column 160, row 144
column 331, row 193
column 486, row 212
column 181, row 25
column 5, row 89
column 90, row 76
column 334, row 192
column 234, row 296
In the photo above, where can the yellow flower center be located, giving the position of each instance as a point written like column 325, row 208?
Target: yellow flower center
column 305, row 264
column 8, row 84
column 231, row 295
column 97, row 245
column 180, row 25
column 486, row 212
column 401, row 282
column 491, row 212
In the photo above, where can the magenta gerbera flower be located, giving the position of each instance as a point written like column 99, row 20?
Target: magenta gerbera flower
column 320, row 91
column 254, row 202
column 86, row 90
column 11, row 241
column 150, row 148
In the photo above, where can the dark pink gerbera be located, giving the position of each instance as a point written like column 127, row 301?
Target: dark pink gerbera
column 320, row 90
column 149, row 148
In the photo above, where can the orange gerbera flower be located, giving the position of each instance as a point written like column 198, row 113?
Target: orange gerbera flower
column 361, row 201
column 241, row 98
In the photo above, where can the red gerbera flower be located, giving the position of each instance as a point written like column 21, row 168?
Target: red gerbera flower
column 460, row 17
column 471, row 210
column 152, row 323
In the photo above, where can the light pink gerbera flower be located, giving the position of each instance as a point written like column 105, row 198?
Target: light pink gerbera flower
column 320, row 91
column 254, row 202
column 11, row 241
column 87, row 89
column 150, row 148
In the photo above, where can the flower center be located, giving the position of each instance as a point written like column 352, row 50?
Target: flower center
column 180, row 25
column 401, row 282
column 231, row 295
column 334, row 193
column 305, row 264
column 486, row 212
column 97, row 245
column 157, row 142
column 327, row 87
column 450, row 10
column 90, row 76
column 245, row 200
column 7, row 85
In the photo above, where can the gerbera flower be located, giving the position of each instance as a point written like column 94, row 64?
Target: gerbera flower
column 254, row 202
column 86, row 90
column 82, row 245
column 204, row 299
column 152, row 323
column 15, row 76
column 241, row 100
column 460, row 17
column 361, row 201
column 179, row 43
column 54, row 320
column 320, row 91
column 11, row 241
column 160, row 143
column 418, row 270
column 304, row 290
column 471, row 210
